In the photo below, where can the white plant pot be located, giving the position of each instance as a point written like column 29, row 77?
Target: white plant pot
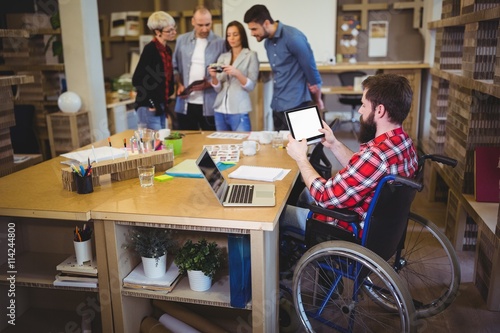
column 154, row 267
column 198, row 281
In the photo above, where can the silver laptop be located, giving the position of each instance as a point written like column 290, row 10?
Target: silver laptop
column 235, row 195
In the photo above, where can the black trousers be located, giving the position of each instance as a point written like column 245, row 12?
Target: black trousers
column 195, row 120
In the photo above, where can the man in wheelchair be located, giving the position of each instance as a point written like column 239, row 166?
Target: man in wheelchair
column 385, row 149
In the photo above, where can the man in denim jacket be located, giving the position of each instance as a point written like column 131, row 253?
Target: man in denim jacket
column 194, row 52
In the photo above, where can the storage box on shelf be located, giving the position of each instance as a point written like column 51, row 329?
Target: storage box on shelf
column 468, row 66
column 68, row 131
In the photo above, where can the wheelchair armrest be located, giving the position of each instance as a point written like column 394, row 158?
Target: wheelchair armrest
column 342, row 214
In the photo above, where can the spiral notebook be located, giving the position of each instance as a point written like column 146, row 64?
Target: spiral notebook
column 235, row 195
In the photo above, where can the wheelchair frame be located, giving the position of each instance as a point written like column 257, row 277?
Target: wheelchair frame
column 408, row 263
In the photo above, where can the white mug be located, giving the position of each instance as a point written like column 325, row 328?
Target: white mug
column 265, row 138
column 161, row 134
column 250, row 147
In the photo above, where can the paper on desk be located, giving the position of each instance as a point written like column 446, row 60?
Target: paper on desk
column 265, row 174
column 101, row 154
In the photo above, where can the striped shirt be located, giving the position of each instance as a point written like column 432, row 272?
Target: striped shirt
column 353, row 187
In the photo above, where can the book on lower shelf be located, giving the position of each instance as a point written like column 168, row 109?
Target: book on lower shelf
column 70, row 266
column 76, row 277
column 166, row 283
column 70, row 274
column 78, row 284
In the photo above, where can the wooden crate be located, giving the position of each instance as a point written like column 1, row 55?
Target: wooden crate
column 68, row 131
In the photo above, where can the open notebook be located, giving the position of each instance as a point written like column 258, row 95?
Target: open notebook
column 234, row 194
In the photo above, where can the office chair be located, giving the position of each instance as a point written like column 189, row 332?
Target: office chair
column 347, row 79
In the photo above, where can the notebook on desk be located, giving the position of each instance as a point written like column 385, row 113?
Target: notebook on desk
column 235, row 195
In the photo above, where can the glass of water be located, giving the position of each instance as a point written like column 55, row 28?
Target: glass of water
column 146, row 175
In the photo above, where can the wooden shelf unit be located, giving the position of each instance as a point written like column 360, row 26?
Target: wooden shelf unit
column 36, row 257
column 465, row 113
column 31, row 59
column 68, row 131
column 182, row 19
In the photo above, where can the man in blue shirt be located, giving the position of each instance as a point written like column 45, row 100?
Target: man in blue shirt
column 296, row 80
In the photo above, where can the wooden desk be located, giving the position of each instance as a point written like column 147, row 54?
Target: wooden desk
column 45, row 214
column 189, row 204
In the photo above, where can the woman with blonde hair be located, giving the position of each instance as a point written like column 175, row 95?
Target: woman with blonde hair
column 154, row 76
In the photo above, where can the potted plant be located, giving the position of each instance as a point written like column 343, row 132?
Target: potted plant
column 174, row 140
column 152, row 244
column 201, row 261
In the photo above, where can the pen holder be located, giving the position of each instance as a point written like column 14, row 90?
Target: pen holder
column 83, row 184
column 83, row 251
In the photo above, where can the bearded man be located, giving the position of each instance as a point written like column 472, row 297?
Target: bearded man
column 385, row 149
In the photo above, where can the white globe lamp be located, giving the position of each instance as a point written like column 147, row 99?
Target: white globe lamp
column 69, row 102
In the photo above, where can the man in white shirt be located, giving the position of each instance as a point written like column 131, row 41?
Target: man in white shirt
column 194, row 52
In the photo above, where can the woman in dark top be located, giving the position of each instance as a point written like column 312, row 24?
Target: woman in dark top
column 154, row 77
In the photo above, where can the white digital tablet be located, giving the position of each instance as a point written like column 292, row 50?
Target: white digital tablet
column 304, row 123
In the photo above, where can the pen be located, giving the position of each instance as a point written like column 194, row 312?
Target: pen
column 77, row 235
column 111, row 148
column 75, row 170
column 93, row 152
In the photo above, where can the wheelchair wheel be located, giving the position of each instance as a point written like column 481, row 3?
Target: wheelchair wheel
column 329, row 293
column 428, row 266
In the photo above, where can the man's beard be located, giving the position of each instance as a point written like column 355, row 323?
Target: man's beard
column 367, row 129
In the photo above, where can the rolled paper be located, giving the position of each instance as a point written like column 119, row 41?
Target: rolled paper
column 187, row 316
column 151, row 325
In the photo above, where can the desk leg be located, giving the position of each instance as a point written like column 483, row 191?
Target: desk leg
column 264, row 247
column 104, row 287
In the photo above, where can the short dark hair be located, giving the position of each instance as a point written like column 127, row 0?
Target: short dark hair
column 243, row 34
column 393, row 92
column 258, row 14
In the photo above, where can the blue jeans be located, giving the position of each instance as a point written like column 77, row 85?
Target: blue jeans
column 147, row 117
column 296, row 217
column 232, row 122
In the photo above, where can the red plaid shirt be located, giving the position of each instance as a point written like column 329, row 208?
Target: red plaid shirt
column 353, row 186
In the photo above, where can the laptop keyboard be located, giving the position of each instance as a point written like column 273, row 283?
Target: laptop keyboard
column 241, row 194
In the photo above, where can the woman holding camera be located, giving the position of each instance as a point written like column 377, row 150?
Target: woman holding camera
column 233, row 77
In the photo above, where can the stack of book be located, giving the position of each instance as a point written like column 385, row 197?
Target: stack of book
column 166, row 283
column 70, row 274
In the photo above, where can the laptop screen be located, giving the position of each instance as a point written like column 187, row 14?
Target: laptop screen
column 212, row 174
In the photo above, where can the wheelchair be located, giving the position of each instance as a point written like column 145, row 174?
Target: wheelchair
column 417, row 276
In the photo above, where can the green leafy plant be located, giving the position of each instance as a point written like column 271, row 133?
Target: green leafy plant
column 150, row 242
column 201, row 256
column 55, row 40
column 174, row 136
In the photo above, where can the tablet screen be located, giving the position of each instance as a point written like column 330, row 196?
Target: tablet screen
column 304, row 123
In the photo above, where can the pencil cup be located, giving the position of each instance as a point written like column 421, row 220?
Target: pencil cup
column 83, row 251
column 84, row 184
